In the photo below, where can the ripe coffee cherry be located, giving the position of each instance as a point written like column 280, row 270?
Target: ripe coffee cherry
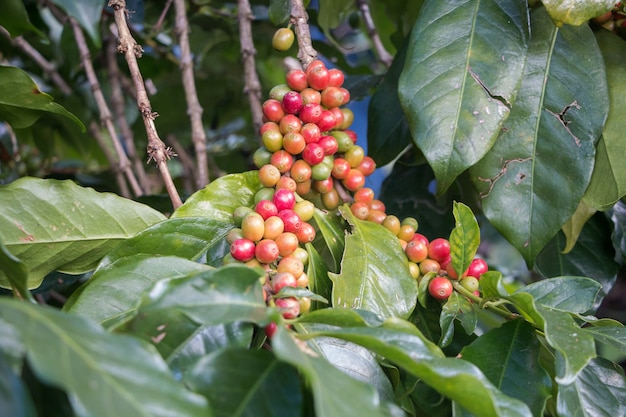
column 287, row 243
column 291, row 265
column 266, row 251
column 360, row 210
column 296, row 79
column 303, row 280
column 292, row 102
column 327, row 121
column 364, row 195
column 335, row 77
column 351, row 134
column 294, row 143
column 300, row 171
column 429, row 265
column 346, row 95
column 376, row 205
column 439, row 249
column 306, row 233
column 339, row 116
column 284, row 199
column 419, row 236
column 290, row 307
column 311, row 132
column 269, row 175
column 315, row 64
column 310, row 95
column 318, row 78
column 332, row 97
column 324, row 186
column 292, row 221
column 283, row 39
column 253, row 226
column 367, row 166
column 477, row 267
column 452, row 273
column 440, row 288
column 290, row 123
column 406, row 232
column 313, row 153
column 274, row 226
column 286, row 182
column 376, row 216
column 266, row 208
column 270, row 330
column 311, row 113
column 304, row 187
column 329, row 144
column 341, row 167
column 273, row 110
column 269, row 126
column 242, row 250
column 282, row 280
column 354, row 180
column 282, row 160
column 416, row 251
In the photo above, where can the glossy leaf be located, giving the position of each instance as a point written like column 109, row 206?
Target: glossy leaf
column 22, row 103
column 509, row 358
column 16, row 273
column 319, row 282
column 224, row 295
column 330, row 387
column 113, row 293
column 241, row 382
column 574, row 226
column 574, row 347
column 220, row 198
column 610, row 335
column 491, row 285
column 618, row 219
column 455, row 378
column 14, row 18
column 458, row 308
column 344, row 317
column 608, row 181
column 330, row 241
column 599, row 391
column 374, row 272
column 569, row 294
column 464, row 238
column 15, row 398
column 576, row 12
column 388, row 132
column 57, row 225
column 461, row 76
column 533, row 178
column 87, row 13
column 104, row 374
column 593, row 256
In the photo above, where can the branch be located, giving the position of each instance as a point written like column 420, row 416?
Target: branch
column 94, row 129
column 299, row 18
column 384, row 56
column 105, row 113
column 194, row 109
column 39, row 59
column 159, row 23
column 248, row 52
column 156, row 148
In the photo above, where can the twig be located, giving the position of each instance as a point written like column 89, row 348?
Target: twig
column 186, row 161
column 40, row 60
column 118, row 105
column 105, row 114
column 159, row 23
column 384, row 56
column 248, row 52
column 94, row 129
column 194, row 109
column 156, row 148
column 299, row 18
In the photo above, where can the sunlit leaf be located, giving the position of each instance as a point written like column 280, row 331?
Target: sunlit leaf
column 574, row 226
column 57, row 225
column 464, row 238
column 569, row 294
column 462, row 73
column 576, row 12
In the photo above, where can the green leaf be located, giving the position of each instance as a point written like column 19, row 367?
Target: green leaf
column 22, row 103
column 16, row 272
column 509, row 358
column 242, row 382
column 14, row 18
column 114, row 292
column 576, row 12
column 87, row 13
column 574, row 347
column 319, row 282
column 224, row 295
column 57, row 225
column 15, row 398
column 374, row 272
column 279, row 11
column 574, row 226
column 608, row 181
column 464, row 238
column 457, row 379
column 461, row 76
column 533, row 178
column 337, row 316
column 569, row 294
column 458, row 308
column 610, row 335
column 220, row 198
column 332, row 13
column 388, row 132
column 331, row 388
column 599, row 391
column 330, row 241
column 104, row 374
column 491, row 285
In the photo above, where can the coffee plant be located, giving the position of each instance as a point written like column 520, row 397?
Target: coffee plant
column 350, row 208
